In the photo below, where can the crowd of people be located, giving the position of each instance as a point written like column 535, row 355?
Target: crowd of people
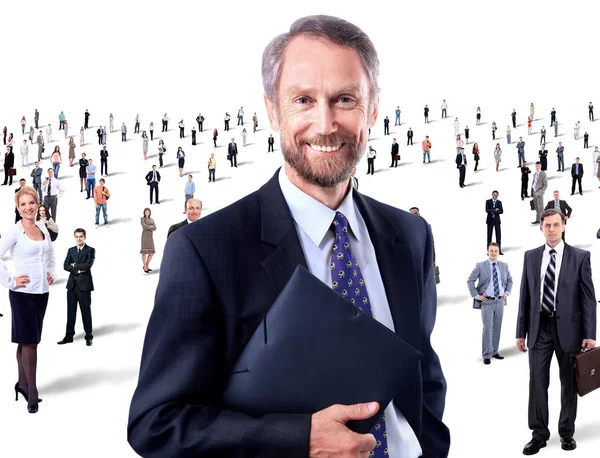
column 30, row 243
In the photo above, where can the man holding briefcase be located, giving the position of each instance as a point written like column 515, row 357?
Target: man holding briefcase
column 557, row 312
column 221, row 275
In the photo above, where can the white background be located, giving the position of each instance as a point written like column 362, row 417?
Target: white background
column 182, row 57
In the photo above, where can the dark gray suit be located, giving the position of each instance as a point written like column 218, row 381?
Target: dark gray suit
column 574, row 320
column 36, row 174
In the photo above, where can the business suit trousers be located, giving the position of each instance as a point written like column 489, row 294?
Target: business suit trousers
column 7, row 178
column 462, row 172
column 233, row 160
column 491, row 316
column 524, row 186
column 370, row 165
column 540, row 357
column 38, row 188
column 576, row 179
column 84, row 298
column 490, row 228
column 538, row 204
column 104, row 166
column 50, row 203
column 394, row 161
column 154, row 187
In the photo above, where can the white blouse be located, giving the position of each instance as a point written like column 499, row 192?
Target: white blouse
column 30, row 257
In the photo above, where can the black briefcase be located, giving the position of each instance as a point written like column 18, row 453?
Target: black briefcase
column 436, row 273
column 586, row 371
column 531, row 204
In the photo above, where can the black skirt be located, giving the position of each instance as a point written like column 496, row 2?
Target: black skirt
column 28, row 311
column 181, row 162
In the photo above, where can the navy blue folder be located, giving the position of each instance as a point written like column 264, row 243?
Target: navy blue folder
column 314, row 349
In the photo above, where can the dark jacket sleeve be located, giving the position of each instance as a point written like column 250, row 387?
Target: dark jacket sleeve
column 88, row 262
column 588, row 299
column 175, row 409
column 435, row 436
column 68, row 262
column 524, row 304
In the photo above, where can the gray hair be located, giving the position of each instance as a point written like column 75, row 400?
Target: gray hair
column 334, row 29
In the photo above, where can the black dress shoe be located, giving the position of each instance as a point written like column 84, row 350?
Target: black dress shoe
column 568, row 443
column 535, row 222
column 486, row 361
column 65, row 341
column 497, row 356
column 501, row 253
column 533, row 447
column 88, row 343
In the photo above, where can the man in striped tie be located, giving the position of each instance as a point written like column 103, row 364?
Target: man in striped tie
column 557, row 312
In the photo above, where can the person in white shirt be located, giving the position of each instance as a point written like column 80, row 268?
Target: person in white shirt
column 25, row 154
column 34, row 271
column 52, row 191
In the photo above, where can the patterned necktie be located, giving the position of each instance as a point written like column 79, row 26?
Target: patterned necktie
column 496, row 285
column 50, row 187
column 535, row 179
column 348, row 282
column 557, row 205
column 549, row 278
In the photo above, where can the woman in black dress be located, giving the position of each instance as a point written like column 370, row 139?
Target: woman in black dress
column 83, row 163
column 478, row 116
column 215, row 135
column 426, row 114
column 180, row 160
column 33, row 257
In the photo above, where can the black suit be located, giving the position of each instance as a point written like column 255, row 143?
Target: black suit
column 574, row 320
column 461, row 165
column 79, row 289
column 386, row 126
column 9, row 162
column 17, row 214
column 577, row 175
column 232, row 151
column 271, row 145
column 493, row 210
column 219, row 277
column 174, row 227
column 395, row 152
column 409, row 137
column 153, row 185
column 543, row 155
column 524, row 181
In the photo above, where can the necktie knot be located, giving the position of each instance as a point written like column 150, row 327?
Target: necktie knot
column 340, row 225
column 494, row 264
column 552, row 252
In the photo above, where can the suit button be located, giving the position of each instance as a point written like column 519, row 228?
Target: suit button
column 558, row 318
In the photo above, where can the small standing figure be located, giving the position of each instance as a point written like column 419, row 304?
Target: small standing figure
column 244, row 135
column 478, row 116
column 476, row 156
column 215, row 135
column 226, row 119
column 81, row 137
column 145, row 145
column 531, row 111
column 498, row 156
column 111, row 123
column 467, row 135
column 194, row 135
column 494, row 129
column 529, row 124
column 426, row 114
column 180, row 160
column 591, row 111
column 181, row 129
column 508, row 133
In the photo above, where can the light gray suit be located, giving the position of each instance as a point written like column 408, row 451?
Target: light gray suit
column 491, row 310
column 538, row 193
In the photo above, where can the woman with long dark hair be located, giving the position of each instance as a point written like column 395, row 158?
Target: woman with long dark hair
column 148, row 227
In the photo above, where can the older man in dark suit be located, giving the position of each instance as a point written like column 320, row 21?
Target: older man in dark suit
column 232, row 152
column 221, row 275
column 562, row 206
column 557, row 314
column 193, row 209
column 78, row 263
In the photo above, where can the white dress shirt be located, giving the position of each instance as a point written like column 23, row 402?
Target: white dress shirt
column 560, row 249
column 56, row 188
column 30, row 257
column 313, row 222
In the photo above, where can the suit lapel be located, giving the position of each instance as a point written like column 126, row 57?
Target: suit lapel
column 486, row 268
column 537, row 271
column 278, row 235
column 398, row 273
column 565, row 267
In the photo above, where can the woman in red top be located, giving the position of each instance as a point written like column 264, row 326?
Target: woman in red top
column 529, row 125
column 476, row 155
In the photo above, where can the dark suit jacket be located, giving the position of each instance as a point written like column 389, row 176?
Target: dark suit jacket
column 84, row 261
column 9, row 160
column 174, row 227
column 580, row 170
column 575, row 299
column 395, row 149
column 219, row 277
column 409, row 133
column 459, row 159
column 493, row 214
column 271, row 140
column 232, row 149
column 149, row 176
column 564, row 207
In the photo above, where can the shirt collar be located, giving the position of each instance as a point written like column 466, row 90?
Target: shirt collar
column 558, row 248
column 311, row 215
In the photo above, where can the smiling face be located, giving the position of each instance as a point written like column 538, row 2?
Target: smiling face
column 323, row 110
column 28, row 207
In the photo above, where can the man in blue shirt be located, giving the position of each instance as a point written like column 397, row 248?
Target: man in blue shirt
column 91, row 178
column 397, row 123
column 190, row 188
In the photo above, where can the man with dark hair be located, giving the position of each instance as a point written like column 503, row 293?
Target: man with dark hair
column 232, row 152
column 87, row 119
column 36, row 175
column 193, row 210
column 152, row 180
column 493, row 208
column 461, row 165
column 494, row 285
column 9, row 163
column 576, row 175
column 562, row 206
column 556, row 317
column 524, row 180
column 271, row 143
column 395, row 153
column 228, row 269
column 78, row 263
